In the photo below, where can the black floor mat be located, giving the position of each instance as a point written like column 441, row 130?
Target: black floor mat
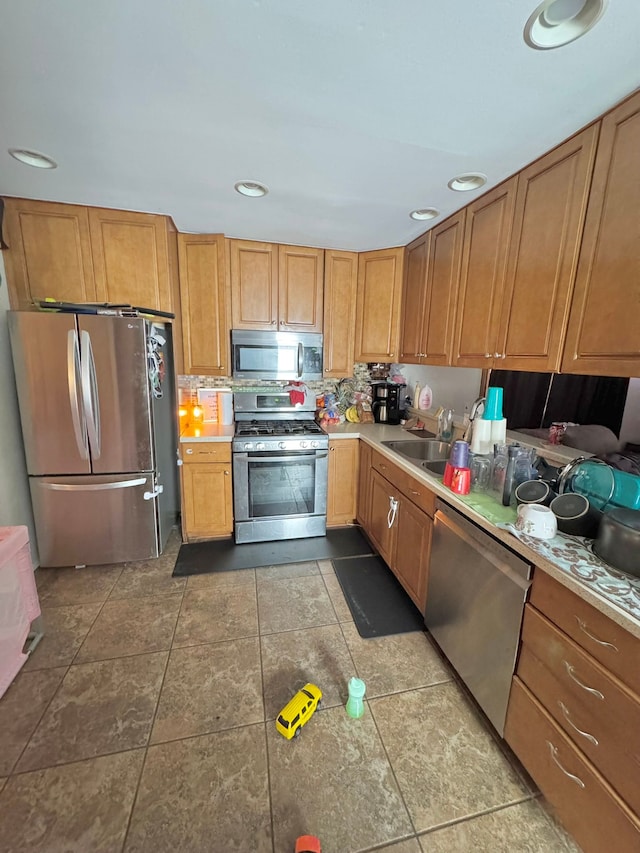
column 378, row 604
column 223, row 555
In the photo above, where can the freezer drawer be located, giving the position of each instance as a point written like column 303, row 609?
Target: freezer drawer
column 95, row 519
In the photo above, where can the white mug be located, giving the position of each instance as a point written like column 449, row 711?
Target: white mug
column 536, row 520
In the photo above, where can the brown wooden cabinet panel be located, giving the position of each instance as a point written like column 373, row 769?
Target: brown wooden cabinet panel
column 207, row 500
column 413, row 298
column 378, row 305
column 363, row 510
column 49, row 252
column 412, row 551
column 203, row 297
column 484, row 258
column 551, row 202
column 383, row 536
column 602, row 335
column 584, row 802
column 254, row 284
column 443, row 279
column 340, row 288
column 343, row 481
column 130, row 258
column 300, row 288
column 603, row 720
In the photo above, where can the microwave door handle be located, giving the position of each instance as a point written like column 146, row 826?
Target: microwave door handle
column 90, row 397
column 300, row 359
column 73, row 369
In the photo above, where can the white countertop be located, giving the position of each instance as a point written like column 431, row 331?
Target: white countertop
column 568, row 559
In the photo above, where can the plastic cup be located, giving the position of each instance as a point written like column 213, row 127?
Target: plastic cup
column 459, row 456
column 493, row 405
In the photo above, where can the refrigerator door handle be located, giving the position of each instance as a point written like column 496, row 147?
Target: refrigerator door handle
column 91, row 487
column 90, row 398
column 73, row 369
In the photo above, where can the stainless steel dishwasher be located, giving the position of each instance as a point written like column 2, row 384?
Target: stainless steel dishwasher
column 476, row 592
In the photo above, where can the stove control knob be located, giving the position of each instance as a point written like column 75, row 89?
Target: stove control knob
column 248, row 445
column 303, row 444
column 281, row 445
column 260, row 445
column 314, row 444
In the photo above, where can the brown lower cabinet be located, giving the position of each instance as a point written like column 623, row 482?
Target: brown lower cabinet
column 399, row 522
column 343, row 481
column 207, row 500
column 573, row 723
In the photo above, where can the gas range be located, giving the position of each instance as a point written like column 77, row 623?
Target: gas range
column 268, row 421
column 256, row 434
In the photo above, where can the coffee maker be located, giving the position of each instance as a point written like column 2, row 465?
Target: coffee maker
column 387, row 402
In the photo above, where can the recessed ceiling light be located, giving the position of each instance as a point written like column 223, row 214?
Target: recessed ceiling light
column 254, row 189
column 468, row 181
column 558, row 22
column 425, row 213
column 33, row 158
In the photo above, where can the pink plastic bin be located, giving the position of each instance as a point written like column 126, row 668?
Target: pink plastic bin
column 19, row 604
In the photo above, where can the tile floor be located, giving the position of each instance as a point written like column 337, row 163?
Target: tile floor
column 144, row 722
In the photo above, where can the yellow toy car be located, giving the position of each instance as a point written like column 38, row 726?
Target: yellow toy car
column 298, row 711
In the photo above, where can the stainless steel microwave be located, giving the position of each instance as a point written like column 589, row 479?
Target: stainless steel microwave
column 276, row 355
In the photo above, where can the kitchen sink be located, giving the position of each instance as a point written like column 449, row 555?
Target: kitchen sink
column 421, row 451
column 435, row 466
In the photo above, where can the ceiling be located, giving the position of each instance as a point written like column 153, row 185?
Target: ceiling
column 352, row 113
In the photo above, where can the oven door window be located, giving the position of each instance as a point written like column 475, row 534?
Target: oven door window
column 284, row 486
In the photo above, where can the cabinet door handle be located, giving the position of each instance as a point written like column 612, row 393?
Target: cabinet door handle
column 226, row 473
column 554, row 756
column 571, row 672
column 487, row 355
column 583, row 627
column 565, row 714
column 393, row 509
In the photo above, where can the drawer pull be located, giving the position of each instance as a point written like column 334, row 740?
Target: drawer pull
column 571, row 673
column 554, row 755
column 583, row 627
column 565, row 714
column 413, row 492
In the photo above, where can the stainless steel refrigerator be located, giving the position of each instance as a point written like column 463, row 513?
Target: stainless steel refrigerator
column 97, row 405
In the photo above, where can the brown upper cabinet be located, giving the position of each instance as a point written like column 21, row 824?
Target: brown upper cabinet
column 551, row 203
column 49, row 252
column 276, row 287
column 378, row 305
column 603, row 335
column 205, row 304
column 80, row 254
column 484, row 262
column 340, row 286
column 432, row 274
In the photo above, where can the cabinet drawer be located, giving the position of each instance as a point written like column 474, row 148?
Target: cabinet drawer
column 604, row 724
column 606, row 641
column 583, row 801
column 418, row 493
column 205, row 451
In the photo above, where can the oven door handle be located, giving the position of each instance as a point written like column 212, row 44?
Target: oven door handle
column 314, row 454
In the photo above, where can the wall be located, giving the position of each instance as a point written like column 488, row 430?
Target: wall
column 15, row 503
column 453, row 387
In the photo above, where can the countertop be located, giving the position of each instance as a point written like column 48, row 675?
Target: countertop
column 568, row 559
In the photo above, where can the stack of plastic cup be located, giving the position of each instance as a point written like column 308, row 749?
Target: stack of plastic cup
column 457, row 475
column 493, row 412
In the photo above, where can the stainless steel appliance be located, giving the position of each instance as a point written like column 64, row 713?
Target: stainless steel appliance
column 280, row 467
column 276, row 355
column 97, row 406
column 475, row 600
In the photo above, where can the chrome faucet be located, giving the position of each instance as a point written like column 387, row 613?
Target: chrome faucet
column 473, row 414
